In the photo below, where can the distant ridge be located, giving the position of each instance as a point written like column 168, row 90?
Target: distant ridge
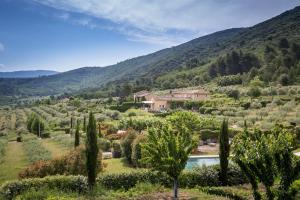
column 27, row 74
column 159, row 67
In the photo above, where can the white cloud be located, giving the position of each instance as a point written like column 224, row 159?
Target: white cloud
column 2, row 47
column 156, row 19
column 64, row 16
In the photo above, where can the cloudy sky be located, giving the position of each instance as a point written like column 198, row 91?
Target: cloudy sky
column 66, row 34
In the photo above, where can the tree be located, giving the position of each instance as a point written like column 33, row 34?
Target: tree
column 71, row 122
column 224, row 150
column 126, row 145
column 184, row 119
column 136, row 154
column 91, row 150
column 37, row 126
column 84, row 124
column 77, row 135
column 265, row 157
column 167, row 150
column 234, row 94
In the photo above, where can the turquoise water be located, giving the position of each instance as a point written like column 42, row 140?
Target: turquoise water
column 200, row 161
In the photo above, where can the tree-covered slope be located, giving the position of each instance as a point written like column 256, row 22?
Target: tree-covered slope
column 195, row 55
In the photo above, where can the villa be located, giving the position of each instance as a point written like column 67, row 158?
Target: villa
column 155, row 102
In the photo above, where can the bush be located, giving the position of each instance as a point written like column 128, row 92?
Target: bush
column 19, row 138
column 11, row 189
column 224, row 193
column 204, row 176
column 254, row 92
column 116, row 149
column 104, row 144
column 126, row 145
column 209, row 134
column 136, row 154
column 71, row 164
column 45, row 135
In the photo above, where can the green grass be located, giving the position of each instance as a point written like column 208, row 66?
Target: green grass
column 143, row 191
column 117, row 165
column 34, row 149
column 55, row 149
column 13, row 162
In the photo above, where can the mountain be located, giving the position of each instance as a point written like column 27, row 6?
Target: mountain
column 27, row 74
column 166, row 63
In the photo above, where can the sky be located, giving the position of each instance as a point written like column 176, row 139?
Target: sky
column 66, row 34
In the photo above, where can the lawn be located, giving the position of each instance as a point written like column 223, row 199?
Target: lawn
column 13, row 162
column 55, row 149
column 116, row 165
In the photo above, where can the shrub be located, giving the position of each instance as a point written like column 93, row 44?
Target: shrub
column 209, row 134
column 19, row 138
column 116, row 149
column 225, row 192
column 254, row 92
column 202, row 176
column 11, row 189
column 136, row 154
column 104, row 144
column 126, row 145
column 45, row 135
column 71, row 164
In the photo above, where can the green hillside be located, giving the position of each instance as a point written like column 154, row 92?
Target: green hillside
column 186, row 61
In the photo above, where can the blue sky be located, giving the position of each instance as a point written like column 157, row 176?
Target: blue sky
column 67, row 34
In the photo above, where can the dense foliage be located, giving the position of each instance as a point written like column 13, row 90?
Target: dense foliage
column 264, row 157
column 72, row 163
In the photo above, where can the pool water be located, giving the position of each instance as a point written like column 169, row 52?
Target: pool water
column 199, row 161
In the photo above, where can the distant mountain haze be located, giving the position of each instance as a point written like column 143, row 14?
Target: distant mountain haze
column 205, row 49
column 27, row 74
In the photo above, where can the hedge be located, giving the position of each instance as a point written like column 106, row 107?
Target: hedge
column 10, row 190
column 204, row 176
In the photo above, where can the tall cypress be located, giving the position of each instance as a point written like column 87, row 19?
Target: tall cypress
column 91, row 150
column 84, row 124
column 77, row 135
column 224, row 150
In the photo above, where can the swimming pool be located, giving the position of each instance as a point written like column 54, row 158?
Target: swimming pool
column 198, row 161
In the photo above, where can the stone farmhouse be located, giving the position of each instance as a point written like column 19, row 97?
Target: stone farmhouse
column 155, row 102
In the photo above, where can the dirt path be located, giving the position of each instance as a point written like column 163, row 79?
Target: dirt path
column 14, row 161
column 55, row 149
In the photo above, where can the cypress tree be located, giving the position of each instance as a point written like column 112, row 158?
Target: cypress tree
column 224, row 149
column 91, row 150
column 84, row 124
column 71, row 122
column 77, row 135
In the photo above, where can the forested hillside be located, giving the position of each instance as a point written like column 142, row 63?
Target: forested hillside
column 271, row 46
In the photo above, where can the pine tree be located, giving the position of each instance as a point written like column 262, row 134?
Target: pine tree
column 77, row 135
column 91, row 150
column 224, row 149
